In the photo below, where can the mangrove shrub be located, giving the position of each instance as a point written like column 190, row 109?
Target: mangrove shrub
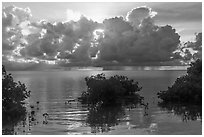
column 187, row 88
column 13, row 97
column 107, row 91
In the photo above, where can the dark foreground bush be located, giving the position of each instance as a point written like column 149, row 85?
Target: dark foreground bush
column 103, row 91
column 186, row 89
column 13, row 97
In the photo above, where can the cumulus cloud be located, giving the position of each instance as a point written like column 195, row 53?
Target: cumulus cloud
column 117, row 25
column 15, row 27
column 148, row 43
column 191, row 51
column 69, row 40
column 134, row 39
column 137, row 15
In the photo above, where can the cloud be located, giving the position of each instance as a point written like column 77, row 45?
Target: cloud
column 197, row 45
column 59, row 40
column 117, row 25
column 137, row 15
column 190, row 51
column 147, row 43
column 131, row 40
column 14, row 21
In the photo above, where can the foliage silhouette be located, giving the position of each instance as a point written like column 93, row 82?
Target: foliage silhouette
column 13, row 97
column 187, row 88
column 106, row 92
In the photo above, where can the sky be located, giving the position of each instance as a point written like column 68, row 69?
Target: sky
column 127, row 33
column 185, row 17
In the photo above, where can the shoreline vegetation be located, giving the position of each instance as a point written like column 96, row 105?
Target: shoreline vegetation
column 186, row 111
column 14, row 95
column 186, row 89
column 102, row 91
column 104, row 94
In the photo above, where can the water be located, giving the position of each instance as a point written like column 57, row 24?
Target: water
column 53, row 88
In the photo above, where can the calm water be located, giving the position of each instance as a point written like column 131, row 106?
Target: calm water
column 53, row 88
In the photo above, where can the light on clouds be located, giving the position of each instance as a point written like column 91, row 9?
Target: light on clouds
column 73, row 15
column 135, row 37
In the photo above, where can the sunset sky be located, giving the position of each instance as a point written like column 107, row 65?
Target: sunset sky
column 134, row 33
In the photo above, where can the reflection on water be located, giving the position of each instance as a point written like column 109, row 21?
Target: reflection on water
column 10, row 120
column 53, row 89
column 186, row 111
column 101, row 119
